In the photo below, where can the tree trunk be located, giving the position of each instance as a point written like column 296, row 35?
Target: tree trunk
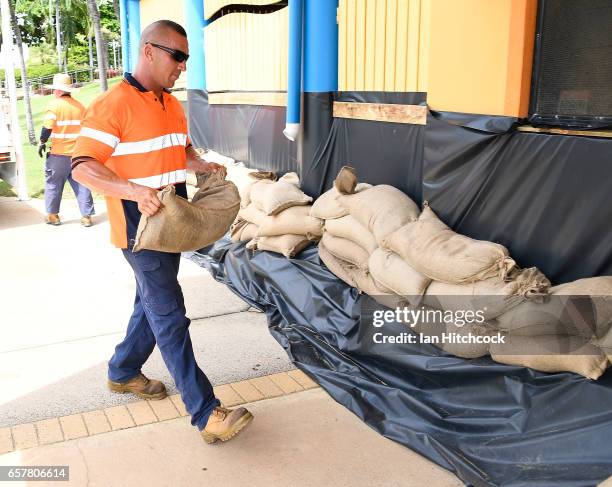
column 58, row 34
column 116, row 8
column 100, row 44
column 24, row 75
column 91, row 62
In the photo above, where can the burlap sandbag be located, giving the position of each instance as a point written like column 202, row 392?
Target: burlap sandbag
column 276, row 197
column 346, row 180
column 295, row 220
column 435, row 250
column 345, row 250
column 381, row 209
column 287, row 245
column 552, row 354
column 351, row 274
column 182, row 226
column 435, row 327
column 327, row 207
column 245, row 189
column 579, row 308
column 238, row 174
column 252, row 214
column 349, row 228
column 391, row 272
column 291, row 177
column 210, row 155
column 242, row 231
column 491, row 297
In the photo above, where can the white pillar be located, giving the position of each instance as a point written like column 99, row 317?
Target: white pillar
column 7, row 37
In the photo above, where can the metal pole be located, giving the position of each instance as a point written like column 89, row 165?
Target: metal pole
column 9, row 70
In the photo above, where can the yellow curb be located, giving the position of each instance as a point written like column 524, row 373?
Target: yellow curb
column 100, row 421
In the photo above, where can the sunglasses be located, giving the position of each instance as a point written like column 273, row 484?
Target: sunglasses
column 178, row 56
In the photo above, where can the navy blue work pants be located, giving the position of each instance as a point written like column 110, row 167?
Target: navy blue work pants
column 159, row 317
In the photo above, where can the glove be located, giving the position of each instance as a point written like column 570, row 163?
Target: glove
column 41, row 150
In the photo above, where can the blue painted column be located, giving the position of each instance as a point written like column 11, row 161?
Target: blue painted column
column 294, row 75
column 320, row 83
column 320, row 46
column 133, row 20
column 125, row 37
column 196, row 66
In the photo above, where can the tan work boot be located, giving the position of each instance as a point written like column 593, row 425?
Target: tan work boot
column 223, row 424
column 53, row 219
column 141, row 386
column 86, row 221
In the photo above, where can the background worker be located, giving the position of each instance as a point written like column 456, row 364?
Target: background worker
column 134, row 142
column 62, row 124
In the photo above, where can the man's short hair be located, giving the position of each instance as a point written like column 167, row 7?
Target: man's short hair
column 178, row 28
column 160, row 25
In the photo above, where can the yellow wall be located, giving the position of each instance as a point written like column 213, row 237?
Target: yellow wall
column 211, row 6
column 379, row 45
column 247, row 52
column 152, row 10
column 471, row 56
column 480, row 55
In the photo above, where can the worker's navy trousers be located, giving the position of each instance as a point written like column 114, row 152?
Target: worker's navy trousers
column 57, row 172
column 159, row 317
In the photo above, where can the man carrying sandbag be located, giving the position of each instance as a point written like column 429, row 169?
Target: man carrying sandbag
column 133, row 143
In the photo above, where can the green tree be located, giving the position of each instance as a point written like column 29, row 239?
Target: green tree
column 24, row 74
column 94, row 13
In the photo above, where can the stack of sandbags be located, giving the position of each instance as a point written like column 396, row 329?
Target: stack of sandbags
column 570, row 330
column 347, row 244
column 470, row 275
column 357, row 219
column 277, row 218
column 243, row 177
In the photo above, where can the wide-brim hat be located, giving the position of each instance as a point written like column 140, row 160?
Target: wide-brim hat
column 61, row 82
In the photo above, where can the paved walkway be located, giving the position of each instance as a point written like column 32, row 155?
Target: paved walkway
column 66, row 295
column 300, row 438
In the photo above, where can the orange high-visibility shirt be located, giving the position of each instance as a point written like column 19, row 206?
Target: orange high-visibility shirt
column 63, row 116
column 137, row 138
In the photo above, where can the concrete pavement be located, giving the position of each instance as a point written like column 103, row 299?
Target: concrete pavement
column 303, row 439
column 65, row 297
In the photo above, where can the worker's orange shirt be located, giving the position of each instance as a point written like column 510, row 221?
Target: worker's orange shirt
column 63, row 116
column 137, row 138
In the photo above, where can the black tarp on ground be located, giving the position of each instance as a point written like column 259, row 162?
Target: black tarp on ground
column 491, row 424
column 249, row 133
column 545, row 197
column 382, row 153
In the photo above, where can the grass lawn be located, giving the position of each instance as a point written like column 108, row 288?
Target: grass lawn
column 35, row 172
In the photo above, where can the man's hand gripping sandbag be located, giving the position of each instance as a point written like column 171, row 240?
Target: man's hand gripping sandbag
column 183, row 226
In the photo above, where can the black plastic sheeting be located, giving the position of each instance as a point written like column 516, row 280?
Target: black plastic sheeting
column 382, row 153
column 249, row 133
column 545, row 197
column 491, row 424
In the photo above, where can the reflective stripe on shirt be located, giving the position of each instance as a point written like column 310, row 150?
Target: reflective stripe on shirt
column 104, row 137
column 161, row 180
column 151, row 145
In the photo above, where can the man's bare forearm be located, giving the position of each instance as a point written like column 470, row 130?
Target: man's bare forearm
column 99, row 178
